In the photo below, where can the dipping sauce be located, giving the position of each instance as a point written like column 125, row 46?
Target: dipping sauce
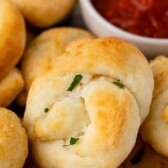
column 142, row 17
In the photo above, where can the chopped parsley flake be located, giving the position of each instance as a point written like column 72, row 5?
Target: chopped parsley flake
column 120, row 85
column 75, row 82
column 73, row 141
column 46, row 110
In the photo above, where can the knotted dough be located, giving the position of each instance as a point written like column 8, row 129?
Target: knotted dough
column 45, row 49
column 103, row 110
column 154, row 129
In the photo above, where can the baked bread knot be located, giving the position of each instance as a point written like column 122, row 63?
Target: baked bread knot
column 10, row 87
column 154, row 129
column 143, row 156
column 46, row 48
column 44, row 13
column 13, row 140
column 82, row 112
column 127, row 64
column 13, row 36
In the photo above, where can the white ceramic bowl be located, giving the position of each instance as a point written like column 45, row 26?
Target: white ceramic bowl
column 100, row 27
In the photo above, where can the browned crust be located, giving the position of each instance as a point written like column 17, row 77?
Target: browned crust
column 13, row 36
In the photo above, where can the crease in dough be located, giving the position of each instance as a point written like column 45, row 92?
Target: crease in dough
column 106, row 134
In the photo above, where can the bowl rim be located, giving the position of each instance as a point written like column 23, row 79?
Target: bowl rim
column 126, row 34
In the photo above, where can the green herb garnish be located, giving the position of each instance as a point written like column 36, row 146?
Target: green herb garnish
column 138, row 157
column 120, row 85
column 46, row 110
column 73, row 141
column 75, row 82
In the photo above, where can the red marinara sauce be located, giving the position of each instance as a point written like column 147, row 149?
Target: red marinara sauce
column 142, row 17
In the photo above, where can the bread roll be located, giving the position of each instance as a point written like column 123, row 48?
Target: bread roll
column 102, row 130
column 46, row 48
column 13, row 140
column 154, row 130
column 44, row 13
column 100, row 109
column 143, row 156
column 126, row 66
column 13, row 36
column 10, row 87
